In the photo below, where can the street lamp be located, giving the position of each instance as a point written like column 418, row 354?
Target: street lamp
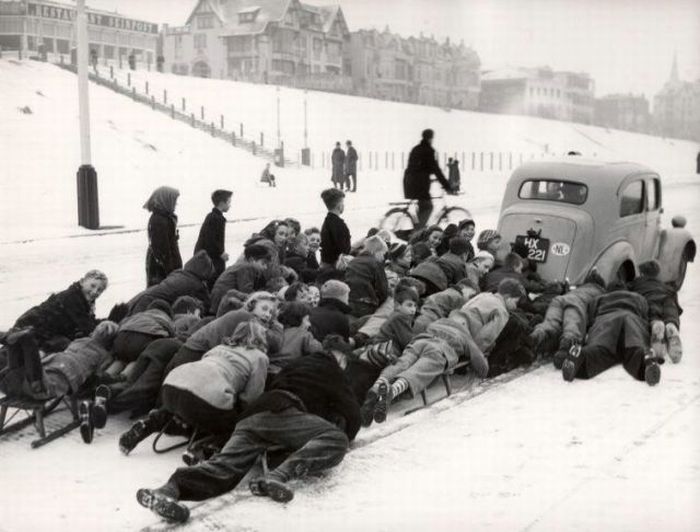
column 306, row 128
column 88, row 208
column 279, row 136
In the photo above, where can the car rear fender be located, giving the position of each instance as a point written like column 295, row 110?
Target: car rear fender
column 673, row 244
column 610, row 259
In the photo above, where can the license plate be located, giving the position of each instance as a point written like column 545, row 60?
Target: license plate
column 537, row 248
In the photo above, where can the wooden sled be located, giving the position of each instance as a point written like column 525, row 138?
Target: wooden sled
column 34, row 412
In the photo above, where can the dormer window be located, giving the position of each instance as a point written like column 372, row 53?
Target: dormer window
column 248, row 15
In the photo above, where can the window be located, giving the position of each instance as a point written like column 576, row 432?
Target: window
column 205, row 22
column 200, row 40
column 248, row 16
column 653, row 194
column 551, row 190
column 631, row 199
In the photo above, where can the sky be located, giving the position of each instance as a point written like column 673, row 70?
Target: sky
column 626, row 45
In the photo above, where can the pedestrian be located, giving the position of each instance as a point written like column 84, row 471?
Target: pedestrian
column 212, row 235
column 416, row 180
column 163, row 255
column 453, row 174
column 351, row 167
column 302, row 413
column 338, row 166
column 268, row 177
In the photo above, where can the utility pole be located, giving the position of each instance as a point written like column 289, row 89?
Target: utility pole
column 306, row 122
column 88, row 208
column 279, row 135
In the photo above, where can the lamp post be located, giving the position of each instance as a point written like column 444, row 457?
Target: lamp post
column 306, row 128
column 88, row 208
column 279, row 136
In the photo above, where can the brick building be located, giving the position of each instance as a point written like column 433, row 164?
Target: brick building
column 28, row 25
column 414, row 69
column 538, row 92
column 623, row 111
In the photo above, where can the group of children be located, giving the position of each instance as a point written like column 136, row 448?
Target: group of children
column 309, row 335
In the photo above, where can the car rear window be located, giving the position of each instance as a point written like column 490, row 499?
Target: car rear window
column 554, row 190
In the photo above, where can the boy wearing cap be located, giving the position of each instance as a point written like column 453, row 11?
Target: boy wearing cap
column 454, row 262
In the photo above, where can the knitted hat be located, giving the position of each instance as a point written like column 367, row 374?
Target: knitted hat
column 397, row 250
column 162, row 305
column 256, row 252
column 458, row 245
column 650, row 268
column 511, row 288
column 486, row 236
column 432, row 273
column 335, row 290
column 483, row 255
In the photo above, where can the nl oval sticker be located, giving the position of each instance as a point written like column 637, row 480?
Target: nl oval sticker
column 560, row 249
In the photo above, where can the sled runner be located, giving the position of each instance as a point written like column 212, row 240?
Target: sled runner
column 34, row 412
column 447, row 383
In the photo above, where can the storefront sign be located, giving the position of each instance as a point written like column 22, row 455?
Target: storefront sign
column 96, row 19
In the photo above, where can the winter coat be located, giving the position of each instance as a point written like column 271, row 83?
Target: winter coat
column 315, row 384
column 335, row 239
column 215, row 331
column 351, row 161
column 487, row 315
column 163, row 255
column 244, row 277
column 300, row 264
column 368, row 284
column 82, row 359
column 296, row 342
column 66, row 314
column 454, row 176
column 513, row 347
column 421, row 165
column 492, row 279
column 211, row 239
column 338, row 162
column 451, row 332
column 225, row 376
column 453, row 266
column 438, row 306
column 189, row 281
column 661, row 298
column 619, row 321
column 153, row 322
column 397, row 329
column 330, row 317
column 432, row 275
column 581, row 297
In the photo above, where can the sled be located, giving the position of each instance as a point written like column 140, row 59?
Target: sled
column 35, row 412
column 447, row 383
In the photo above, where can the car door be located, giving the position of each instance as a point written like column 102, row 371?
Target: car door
column 652, row 229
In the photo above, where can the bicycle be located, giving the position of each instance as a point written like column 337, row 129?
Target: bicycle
column 401, row 221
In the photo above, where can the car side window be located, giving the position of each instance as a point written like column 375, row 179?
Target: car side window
column 631, row 199
column 653, row 199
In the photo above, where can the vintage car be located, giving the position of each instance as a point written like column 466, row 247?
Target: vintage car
column 572, row 215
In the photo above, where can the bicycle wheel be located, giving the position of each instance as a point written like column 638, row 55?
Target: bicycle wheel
column 453, row 215
column 398, row 220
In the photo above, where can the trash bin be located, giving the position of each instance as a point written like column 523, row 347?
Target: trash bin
column 306, row 156
column 88, row 207
column 279, row 157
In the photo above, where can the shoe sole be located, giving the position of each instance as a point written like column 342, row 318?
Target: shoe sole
column 382, row 406
column 99, row 410
column 277, row 491
column 652, row 374
column 675, row 350
column 162, row 505
column 86, row 428
column 367, row 409
column 571, row 364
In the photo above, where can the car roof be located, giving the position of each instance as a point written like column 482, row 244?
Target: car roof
column 586, row 171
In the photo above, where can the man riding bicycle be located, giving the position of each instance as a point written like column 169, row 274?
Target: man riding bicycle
column 416, row 179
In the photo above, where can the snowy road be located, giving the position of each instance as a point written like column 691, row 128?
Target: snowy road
column 533, row 454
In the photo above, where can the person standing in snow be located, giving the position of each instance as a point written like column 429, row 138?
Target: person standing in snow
column 338, row 166
column 416, row 180
column 212, row 235
column 351, row 167
column 335, row 235
column 453, row 175
column 163, row 255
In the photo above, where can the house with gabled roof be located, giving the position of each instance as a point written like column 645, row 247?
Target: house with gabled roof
column 275, row 41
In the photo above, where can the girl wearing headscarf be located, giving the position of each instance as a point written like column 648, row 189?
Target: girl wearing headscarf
column 163, row 255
